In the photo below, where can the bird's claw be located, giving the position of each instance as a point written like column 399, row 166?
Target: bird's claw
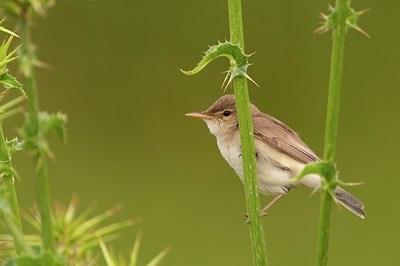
column 262, row 214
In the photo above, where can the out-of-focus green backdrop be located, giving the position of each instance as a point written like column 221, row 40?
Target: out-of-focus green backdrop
column 115, row 72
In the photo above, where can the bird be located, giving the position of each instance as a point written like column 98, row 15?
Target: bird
column 280, row 153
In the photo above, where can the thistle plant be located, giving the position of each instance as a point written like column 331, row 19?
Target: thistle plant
column 237, row 74
column 36, row 124
column 76, row 233
column 63, row 236
column 7, row 148
column 341, row 18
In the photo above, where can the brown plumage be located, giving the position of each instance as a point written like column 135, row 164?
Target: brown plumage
column 281, row 154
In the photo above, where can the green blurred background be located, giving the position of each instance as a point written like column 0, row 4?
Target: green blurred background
column 116, row 74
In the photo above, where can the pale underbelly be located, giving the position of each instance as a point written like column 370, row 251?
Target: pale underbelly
column 271, row 178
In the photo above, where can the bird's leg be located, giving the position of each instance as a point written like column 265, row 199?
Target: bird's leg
column 264, row 210
column 275, row 199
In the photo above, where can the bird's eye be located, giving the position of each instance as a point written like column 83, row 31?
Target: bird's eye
column 227, row 113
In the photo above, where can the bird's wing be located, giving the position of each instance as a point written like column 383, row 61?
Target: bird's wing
column 282, row 138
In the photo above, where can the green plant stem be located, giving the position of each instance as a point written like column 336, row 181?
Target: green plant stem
column 11, row 194
column 247, row 142
column 332, row 127
column 20, row 243
column 35, row 133
column 335, row 81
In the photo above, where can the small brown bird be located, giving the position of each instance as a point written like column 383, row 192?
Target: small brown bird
column 280, row 153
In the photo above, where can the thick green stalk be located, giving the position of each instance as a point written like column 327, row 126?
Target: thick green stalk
column 332, row 119
column 247, row 141
column 10, row 192
column 36, row 137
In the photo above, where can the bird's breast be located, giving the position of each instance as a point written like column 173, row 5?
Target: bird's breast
column 272, row 178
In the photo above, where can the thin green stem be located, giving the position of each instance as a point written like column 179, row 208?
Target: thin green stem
column 324, row 226
column 10, row 192
column 36, row 137
column 332, row 127
column 247, row 142
column 335, row 79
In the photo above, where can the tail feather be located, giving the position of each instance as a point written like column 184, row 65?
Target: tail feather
column 350, row 202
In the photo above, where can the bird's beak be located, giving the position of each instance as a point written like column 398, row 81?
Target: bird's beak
column 201, row 115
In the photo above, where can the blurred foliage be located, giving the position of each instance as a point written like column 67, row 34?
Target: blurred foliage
column 113, row 259
column 18, row 8
column 76, row 233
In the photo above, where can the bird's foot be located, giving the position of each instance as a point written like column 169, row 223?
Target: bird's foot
column 262, row 214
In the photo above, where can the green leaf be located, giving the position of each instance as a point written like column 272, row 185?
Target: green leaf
column 15, row 145
column 325, row 169
column 6, row 57
column 106, row 253
column 157, row 260
column 6, row 169
column 10, row 82
column 238, row 61
column 8, row 31
column 54, row 123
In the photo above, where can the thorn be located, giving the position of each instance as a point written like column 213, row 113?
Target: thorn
column 249, row 78
column 313, row 192
column 225, row 79
column 365, row 10
column 229, row 82
column 337, row 203
column 43, row 65
column 323, row 16
column 363, row 32
column 351, row 184
column 321, row 30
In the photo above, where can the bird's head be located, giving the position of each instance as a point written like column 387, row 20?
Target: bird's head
column 221, row 117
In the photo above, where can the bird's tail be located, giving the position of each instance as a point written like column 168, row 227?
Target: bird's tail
column 350, row 202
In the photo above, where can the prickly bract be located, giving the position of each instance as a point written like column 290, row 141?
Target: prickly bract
column 237, row 58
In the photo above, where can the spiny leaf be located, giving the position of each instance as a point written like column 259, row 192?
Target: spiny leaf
column 157, row 260
column 329, row 21
column 326, row 170
column 14, row 145
column 6, row 169
column 10, row 82
column 6, row 57
column 112, row 258
column 135, row 250
column 238, row 61
column 106, row 253
column 7, row 30
column 77, row 236
column 55, row 123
